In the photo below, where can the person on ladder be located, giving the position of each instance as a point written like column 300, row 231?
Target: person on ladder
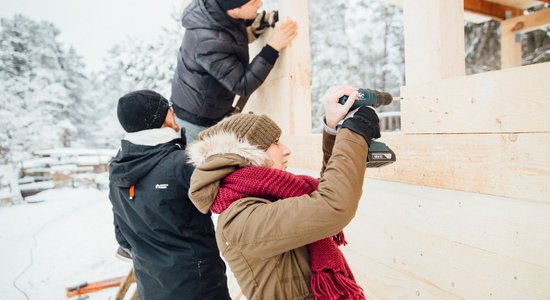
column 213, row 62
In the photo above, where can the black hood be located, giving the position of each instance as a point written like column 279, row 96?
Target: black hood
column 133, row 162
column 207, row 14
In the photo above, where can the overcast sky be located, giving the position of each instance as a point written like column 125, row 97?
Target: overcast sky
column 92, row 27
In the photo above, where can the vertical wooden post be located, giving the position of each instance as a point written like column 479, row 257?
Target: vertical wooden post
column 510, row 50
column 434, row 40
column 285, row 95
column 510, row 30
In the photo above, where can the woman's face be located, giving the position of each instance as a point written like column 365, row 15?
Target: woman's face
column 279, row 154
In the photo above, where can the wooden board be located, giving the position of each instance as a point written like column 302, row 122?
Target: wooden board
column 514, row 228
column 459, row 269
column 94, row 286
column 268, row 100
column 434, row 40
column 518, row 3
column 380, row 281
column 289, row 83
column 512, row 3
column 307, row 152
column 529, row 22
column 510, row 50
column 511, row 165
column 510, row 39
column 410, row 241
column 512, row 100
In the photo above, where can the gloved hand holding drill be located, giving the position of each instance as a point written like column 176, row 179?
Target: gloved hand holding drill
column 360, row 117
column 363, row 121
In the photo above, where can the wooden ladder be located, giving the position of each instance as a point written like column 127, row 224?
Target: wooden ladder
column 125, row 285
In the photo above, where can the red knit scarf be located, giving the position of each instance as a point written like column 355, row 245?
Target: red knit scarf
column 332, row 277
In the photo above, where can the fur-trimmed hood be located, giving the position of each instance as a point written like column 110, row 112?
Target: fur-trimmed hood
column 215, row 157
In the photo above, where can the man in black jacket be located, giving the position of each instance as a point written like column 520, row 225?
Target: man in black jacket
column 172, row 244
column 213, row 62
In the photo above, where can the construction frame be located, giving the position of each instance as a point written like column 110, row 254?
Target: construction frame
column 465, row 210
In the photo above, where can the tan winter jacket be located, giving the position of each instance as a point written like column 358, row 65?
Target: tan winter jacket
column 264, row 242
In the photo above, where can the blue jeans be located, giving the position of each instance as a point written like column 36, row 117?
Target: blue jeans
column 191, row 130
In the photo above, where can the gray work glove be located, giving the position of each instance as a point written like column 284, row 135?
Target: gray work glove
column 362, row 121
column 261, row 23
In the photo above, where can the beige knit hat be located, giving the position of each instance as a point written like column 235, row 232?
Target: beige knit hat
column 258, row 130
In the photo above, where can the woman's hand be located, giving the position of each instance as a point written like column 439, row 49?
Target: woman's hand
column 334, row 111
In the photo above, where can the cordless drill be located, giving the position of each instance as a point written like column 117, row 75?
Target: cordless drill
column 379, row 154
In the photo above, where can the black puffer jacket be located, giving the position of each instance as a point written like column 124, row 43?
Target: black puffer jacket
column 173, row 245
column 213, row 64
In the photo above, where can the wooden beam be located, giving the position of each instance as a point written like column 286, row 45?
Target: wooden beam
column 525, row 23
column 510, row 39
column 400, row 239
column 512, row 165
column 512, row 100
column 510, row 50
column 434, row 40
column 491, row 9
column 286, row 93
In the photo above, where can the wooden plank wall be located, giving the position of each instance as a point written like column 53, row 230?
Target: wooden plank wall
column 286, row 93
column 464, row 213
column 413, row 242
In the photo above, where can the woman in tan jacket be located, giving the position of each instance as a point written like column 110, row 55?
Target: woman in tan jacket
column 280, row 232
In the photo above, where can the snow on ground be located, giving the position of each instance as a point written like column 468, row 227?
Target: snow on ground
column 62, row 239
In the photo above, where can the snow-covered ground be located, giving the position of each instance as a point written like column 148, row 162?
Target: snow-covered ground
column 65, row 237
column 61, row 238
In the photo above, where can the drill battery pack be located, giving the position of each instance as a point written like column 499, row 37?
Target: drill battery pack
column 379, row 155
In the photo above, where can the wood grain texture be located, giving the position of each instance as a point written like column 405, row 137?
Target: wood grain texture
column 524, row 23
column 512, row 3
column 409, row 241
column 491, row 9
column 289, row 83
column 510, row 165
column 434, row 40
column 511, row 100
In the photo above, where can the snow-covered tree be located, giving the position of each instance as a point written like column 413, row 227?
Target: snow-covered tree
column 329, row 54
column 38, row 78
column 132, row 65
column 358, row 42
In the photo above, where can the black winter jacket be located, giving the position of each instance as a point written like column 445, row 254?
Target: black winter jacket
column 173, row 245
column 213, row 64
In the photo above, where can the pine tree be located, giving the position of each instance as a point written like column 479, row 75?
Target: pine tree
column 132, row 65
column 329, row 55
column 36, row 87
